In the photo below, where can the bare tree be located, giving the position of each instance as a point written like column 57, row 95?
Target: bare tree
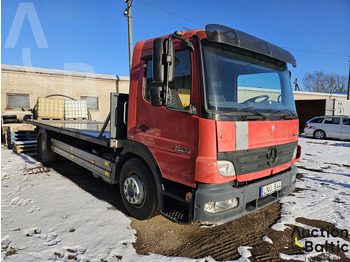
column 325, row 82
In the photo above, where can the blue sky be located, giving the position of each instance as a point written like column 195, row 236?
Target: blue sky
column 92, row 35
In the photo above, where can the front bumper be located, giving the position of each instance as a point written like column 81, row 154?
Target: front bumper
column 248, row 195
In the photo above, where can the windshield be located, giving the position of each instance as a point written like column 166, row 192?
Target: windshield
column 238, row 81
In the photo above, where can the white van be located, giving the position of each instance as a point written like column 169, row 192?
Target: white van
column 328, row 126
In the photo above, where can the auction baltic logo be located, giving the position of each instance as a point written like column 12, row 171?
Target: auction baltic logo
column 319, row 233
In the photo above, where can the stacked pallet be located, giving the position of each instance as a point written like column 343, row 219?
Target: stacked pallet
column 22, row 135
column 29, row 146
column 12, row 132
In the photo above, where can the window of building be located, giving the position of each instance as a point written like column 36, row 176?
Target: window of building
column 18, row 101
column 91, row 102
column 180, row 88
column 332, row 120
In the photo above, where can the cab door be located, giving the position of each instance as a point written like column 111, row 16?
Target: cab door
column 170, row 135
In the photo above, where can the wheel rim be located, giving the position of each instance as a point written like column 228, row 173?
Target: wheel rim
column 319, row 134
column 134, row 190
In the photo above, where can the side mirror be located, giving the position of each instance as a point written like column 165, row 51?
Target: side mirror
column 163, row 57
column 156, row 96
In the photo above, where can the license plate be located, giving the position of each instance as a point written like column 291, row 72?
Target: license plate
column 270, row 188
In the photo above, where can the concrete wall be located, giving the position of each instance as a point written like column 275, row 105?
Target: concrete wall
column 40, row 82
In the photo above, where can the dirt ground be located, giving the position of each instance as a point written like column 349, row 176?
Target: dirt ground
column 161, row 236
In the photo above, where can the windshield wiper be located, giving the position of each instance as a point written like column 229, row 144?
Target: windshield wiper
column 256, row 114
column 251, row 110
column 289, row 112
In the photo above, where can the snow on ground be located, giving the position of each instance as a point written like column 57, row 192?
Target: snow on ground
column 245, row 254
column 268, row 240
column 47, row 217
column 325, row 166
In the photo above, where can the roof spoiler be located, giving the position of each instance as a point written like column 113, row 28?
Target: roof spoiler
column 234, row 37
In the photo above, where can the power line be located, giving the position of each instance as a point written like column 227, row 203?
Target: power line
column 172, row 14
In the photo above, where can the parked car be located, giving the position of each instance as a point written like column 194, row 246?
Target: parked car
column 328, row 126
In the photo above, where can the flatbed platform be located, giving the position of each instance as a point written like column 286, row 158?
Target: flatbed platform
column 87, row 130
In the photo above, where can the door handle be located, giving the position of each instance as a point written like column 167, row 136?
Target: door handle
column 143, row 127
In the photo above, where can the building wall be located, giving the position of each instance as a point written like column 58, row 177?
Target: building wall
column 40, row 82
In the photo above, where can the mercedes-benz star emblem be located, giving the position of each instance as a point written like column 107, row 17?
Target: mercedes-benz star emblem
column 271, row 156
column 273, row 128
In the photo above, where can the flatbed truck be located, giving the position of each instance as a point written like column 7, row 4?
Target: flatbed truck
column 208, row 132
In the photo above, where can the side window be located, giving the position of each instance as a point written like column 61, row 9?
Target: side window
column 346, row 121
column 332, row 120
column 91, row 102
column 18, row 101
column 180, row 88
column 317, row 120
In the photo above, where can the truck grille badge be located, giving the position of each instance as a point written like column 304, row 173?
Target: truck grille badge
column 272, row 156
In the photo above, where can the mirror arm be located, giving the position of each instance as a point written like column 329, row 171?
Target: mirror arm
column 186, row 41
column 193, row 109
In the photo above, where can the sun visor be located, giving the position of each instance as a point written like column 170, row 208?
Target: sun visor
column 230, row 36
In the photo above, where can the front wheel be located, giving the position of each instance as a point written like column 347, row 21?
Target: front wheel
column 138, row 190
column 319, row 134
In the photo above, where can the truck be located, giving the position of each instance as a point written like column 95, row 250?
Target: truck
column 207, row 134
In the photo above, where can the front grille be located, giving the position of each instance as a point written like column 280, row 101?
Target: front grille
column 258, row 159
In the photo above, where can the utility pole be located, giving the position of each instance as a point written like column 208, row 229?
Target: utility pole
column 127, row 13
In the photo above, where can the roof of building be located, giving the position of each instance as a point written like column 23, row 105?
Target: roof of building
column 329, row 95
column 41, row 70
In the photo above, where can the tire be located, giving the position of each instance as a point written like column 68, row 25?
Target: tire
column 138, row 189
column 319, row 134
column 46, row 155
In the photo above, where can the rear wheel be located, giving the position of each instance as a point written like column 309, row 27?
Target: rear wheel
column 47, row 156
column 319, row 134
column 138, row 190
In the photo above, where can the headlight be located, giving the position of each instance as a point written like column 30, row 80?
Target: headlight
column 226, row 168
column 220, row 206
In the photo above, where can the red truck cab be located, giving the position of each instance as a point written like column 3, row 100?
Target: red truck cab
column 211, row 113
